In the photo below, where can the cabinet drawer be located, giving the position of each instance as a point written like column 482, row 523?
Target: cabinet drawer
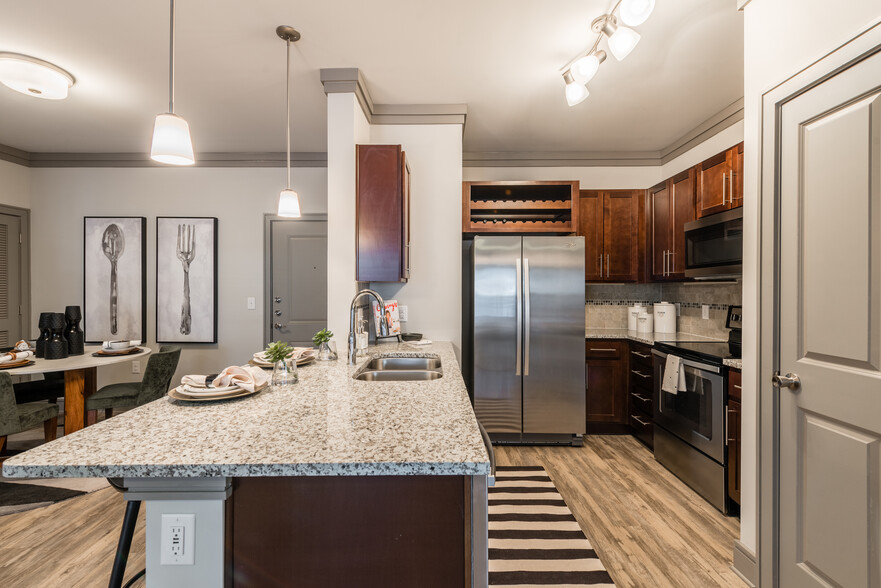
column 641, row 356
column 734, row 382
column 640, row 376
column 602, row 349
column 640, row 401
column 643, row 429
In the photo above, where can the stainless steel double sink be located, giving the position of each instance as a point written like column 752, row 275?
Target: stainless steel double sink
column 400, row 369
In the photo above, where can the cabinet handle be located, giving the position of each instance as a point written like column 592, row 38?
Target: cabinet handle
column 738, row 387
column 727, row 430
column 723, row 188
column 642, row 355
column 596, row 349
column 640, row 374
column 731, row 188
column 664, row 273
column 639, row 420
column 607, row 265
column 639, row 396
column 672, row 264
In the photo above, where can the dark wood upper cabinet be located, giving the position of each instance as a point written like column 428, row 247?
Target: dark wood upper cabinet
column 720, row 182
column 609, row 223
column 382, row 234
column 671, row 205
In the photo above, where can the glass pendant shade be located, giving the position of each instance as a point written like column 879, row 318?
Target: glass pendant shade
column 585, row 68
column 635, row 12
column 34, row 77
column 576, row 93
column 171, row 141
column 622, row 42
column 288, row 204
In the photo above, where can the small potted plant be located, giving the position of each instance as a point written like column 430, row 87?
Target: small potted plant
column 284, row 371
column 322, row 341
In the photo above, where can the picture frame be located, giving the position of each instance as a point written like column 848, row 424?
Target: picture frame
column 114, row 278
column 186, row 279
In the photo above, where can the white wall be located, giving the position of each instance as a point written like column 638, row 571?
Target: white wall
column 782, row 37
column 239, row 197
column 15, row 185
column 433, row 294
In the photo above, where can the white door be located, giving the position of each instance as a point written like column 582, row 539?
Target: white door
column 829, row 329
column 10, row 280
column 298, row 280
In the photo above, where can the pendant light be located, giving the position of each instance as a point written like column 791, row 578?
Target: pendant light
column 288, row 200
column 584, row 68
column 576, row 93
column 34, row 77
column 171, row 134
column 635, row 12
column 621, row 39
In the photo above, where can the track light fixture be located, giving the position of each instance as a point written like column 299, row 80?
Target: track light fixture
column 621, row 40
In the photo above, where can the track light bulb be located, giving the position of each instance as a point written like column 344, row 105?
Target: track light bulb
column 635, row 12
column 575, row 92
column 621, row 39
column 586, row 67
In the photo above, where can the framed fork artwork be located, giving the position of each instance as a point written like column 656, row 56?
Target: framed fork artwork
column 186, row 279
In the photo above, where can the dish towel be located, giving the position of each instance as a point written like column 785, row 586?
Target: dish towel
column 674, row 376
column 16, row 356
column 247, row 377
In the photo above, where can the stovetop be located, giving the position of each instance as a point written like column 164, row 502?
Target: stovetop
column 709, row 351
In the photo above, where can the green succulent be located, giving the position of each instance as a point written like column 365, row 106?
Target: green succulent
column 278, row 351
column 322, row 336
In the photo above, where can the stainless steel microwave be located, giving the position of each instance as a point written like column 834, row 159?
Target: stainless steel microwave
column 714, row 246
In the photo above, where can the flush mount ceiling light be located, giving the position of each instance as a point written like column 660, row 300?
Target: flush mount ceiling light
column 288, row 200
column 171, row 134
column 621, row 40
column 34, row 77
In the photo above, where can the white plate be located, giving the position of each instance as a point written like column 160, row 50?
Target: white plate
column 195, row 391
column 177, row 394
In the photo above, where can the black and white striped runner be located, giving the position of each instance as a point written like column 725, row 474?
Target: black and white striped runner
column 534, row 540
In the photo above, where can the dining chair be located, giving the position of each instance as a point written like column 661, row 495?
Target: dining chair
column 50, row 388
column 15, row 418
column 157, row 378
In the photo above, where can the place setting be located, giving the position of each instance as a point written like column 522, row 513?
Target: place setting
column 302, row 355
column 19, row 356
column 233, row 382
column 117, row 348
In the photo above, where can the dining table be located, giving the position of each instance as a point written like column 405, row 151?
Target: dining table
column 80, row 378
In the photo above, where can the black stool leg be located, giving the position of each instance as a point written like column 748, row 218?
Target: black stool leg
column 125, row 543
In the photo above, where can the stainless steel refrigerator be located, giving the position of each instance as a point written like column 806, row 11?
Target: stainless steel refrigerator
column 528, row 338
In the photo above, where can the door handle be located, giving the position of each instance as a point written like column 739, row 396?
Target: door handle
column 672, row 268
column 527, row 315
column 607, row 265
column 723, row 188
column 601, row 265
column 278, row 326
column 790, row 380
column 731, row 188
column 664, row 272
column 277, row 313
column 277, row 299
column 519, row 290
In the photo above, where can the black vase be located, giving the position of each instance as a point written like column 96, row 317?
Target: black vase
column 73, row 333
column 56, row 346
column 45, row 332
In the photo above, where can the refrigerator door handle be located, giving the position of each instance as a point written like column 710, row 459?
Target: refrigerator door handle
column 526, row 319
column 519, row 291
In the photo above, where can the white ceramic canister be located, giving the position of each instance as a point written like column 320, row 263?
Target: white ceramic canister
column 665, row 317
column 644, row 323
column 633, row 315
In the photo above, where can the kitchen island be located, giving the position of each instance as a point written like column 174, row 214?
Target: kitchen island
column 333, row 482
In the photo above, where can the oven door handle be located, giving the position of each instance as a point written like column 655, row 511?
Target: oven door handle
column 697, row 365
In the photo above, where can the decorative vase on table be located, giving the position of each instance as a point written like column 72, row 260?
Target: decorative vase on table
column 56, row 346
column 327, row 351
column 73, row 333
column 45, row 333
column 284, row 374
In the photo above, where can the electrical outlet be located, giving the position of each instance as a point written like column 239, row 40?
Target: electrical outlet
column 178, row 540
column 136, row 366
column 705, row 311
column 403, row 314
column 678, row 308
column 252, row 303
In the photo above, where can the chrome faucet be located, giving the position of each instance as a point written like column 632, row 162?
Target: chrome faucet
column 383, row 325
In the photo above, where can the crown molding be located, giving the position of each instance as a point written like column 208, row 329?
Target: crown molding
column 243, row 159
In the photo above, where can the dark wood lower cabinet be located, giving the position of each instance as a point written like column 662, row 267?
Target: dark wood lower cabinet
column 606, row 386
column 335, row 531
column 733, row 432
column 641, row 392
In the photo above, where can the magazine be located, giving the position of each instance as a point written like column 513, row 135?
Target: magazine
column 391, row 315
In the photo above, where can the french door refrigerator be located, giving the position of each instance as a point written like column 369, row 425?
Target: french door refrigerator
column 528, row 338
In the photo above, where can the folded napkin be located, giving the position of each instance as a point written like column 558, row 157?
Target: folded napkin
column 22, row 346
column 15, row 356
column 195, row 381
column 248, row 377
column 132, row 343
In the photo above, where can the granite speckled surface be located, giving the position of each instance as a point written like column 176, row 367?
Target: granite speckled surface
column 733, row 363
column 647, row 338
column 328, row 425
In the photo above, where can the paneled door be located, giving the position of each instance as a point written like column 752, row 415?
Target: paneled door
column 10, row 280
column 829, row 330
column 297, row 284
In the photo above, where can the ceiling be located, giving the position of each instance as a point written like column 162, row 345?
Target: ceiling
column 501, row 58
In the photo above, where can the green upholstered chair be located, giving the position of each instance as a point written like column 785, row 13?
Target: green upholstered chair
column 50, row 388
column 157, row 378
column 15, row 418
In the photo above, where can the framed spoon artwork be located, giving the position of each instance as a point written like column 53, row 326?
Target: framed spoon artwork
column 186, row 279
column 114, row 280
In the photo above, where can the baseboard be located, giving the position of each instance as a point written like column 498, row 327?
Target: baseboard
column 745, row 564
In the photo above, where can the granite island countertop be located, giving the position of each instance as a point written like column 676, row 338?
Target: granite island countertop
column 647, row 338
column 327, row 425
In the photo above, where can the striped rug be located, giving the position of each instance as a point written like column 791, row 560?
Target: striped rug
column 534, row 540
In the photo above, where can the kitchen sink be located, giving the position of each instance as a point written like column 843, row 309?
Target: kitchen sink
column 400, row 369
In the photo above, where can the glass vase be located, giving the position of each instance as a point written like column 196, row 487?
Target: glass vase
column 327, row 351
column 284, row 374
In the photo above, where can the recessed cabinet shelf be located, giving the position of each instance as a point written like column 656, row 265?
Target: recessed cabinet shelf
column 520, row 207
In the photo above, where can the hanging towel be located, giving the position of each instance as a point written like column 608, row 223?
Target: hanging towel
column 674, row 376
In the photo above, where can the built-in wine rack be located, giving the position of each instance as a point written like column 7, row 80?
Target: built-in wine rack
column 520, row 207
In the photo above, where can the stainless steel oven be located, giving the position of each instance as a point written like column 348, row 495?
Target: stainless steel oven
column 690, row 427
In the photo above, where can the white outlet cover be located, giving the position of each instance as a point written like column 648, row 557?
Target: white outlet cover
column 705, row 311
column 186, row 557
column 403, row 314
column 252, row 303
column 136, row 367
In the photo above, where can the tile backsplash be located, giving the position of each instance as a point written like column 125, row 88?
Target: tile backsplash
column 606, row 305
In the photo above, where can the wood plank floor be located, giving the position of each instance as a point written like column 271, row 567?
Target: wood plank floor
column 648, row 527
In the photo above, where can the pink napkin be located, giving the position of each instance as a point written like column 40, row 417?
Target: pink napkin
column 250, row 378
